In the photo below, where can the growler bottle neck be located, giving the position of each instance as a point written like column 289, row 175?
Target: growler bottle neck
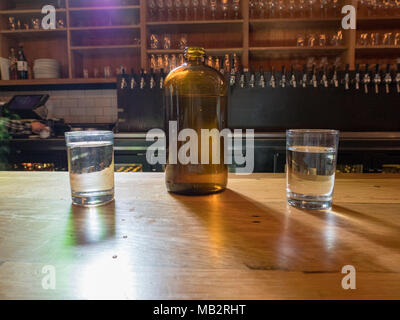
column 194, row 56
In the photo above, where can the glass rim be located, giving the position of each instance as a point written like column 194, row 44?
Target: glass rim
column 305, row 131
column 84, row 133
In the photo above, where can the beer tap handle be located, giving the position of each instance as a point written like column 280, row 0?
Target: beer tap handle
column 262, row 78
column 293, row 81
column 357, row 77
column 366, row 79
column 283, row 80
column 304, row 80
column 377, row 79
column 346, row 77
column 272, row 81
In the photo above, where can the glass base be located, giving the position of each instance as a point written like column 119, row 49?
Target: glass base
column 309, row 202
column 195, row 188
column 92, row 199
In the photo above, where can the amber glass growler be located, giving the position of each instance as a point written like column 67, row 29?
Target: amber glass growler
column 196, row 98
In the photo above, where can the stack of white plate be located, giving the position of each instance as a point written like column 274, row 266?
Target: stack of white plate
column 46, row 69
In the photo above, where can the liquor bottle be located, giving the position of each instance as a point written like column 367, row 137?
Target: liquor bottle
column 13, row 65
column 242, row 79
column 195, row 98
column 313, row 81
column 22, row 64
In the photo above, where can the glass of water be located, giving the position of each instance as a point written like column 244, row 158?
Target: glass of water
column 310, row 167
column 91, row 167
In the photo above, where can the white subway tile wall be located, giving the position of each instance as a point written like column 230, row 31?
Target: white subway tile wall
column 77, row 106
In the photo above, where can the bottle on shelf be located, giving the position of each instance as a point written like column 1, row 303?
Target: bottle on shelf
column 397, row 79
column 196, row 95
column 252, row 80
column 152, row 79
column 13, row 65
column 324, row 79
column 304, row 78
column 22, row 64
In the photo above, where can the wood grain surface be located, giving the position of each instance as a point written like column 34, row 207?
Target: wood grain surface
column 244, row 243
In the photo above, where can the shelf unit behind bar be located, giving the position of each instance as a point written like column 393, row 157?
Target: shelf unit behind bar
column 95, row 46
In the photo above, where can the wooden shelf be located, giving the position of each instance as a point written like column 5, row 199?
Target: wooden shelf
column 192, row 22
column 270, row 51
column 56, row 81
column 104, row 8
column 294, row 21
column 208, row 51
column 94, row 28
column 32, row 31
column 105, row 47
column 27, row 11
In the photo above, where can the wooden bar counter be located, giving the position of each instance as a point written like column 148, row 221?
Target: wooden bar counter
column 244, row 243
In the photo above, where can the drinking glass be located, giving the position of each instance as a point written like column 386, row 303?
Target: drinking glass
column 186, row 5
column 204, row 5
column 91, row 167
column 161, row 6
column 310, row 167
column 213, row 4
column 152, row 6
column 169, row 5
column 178, row 6
column 195, row 5
column 236, row 8
column 225, row 8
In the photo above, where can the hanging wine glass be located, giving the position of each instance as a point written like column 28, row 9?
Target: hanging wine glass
column 311, row 6
column 152, row 6
column 334, row 7
column 186, row 5
column 292, row 7
column 204, row 5
column 213, row 4
column 261, row 9
column 271, row 8
column 160, row 4
column 252, row 6
column 281, row 8
column 301, row 7
column 178, row 6
column 195, row 4
column 323, row 7
column 169, row 5
column 236, row 8
column 225, row 8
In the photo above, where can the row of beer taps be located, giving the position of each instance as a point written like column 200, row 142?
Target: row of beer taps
column 324, row 78
column 308, row 78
